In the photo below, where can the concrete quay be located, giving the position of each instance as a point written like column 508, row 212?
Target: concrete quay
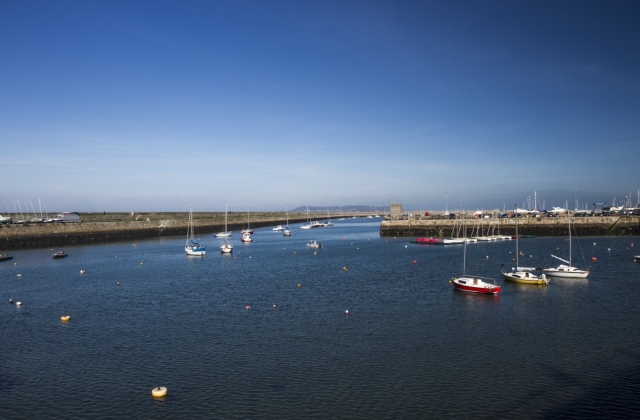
column 538, row 226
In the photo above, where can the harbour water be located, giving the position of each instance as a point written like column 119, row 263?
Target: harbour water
column 410, row 346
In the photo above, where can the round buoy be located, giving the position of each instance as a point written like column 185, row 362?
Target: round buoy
column 82, row 271
column 18, row 303
column 117, row 283
column 415, row 262
column 248, row 307
column 513, row 259
column 135, row 244
column 15, row 263
column 11, row 301
column 344, row 268
column 19, row 275
column 343, row 239
column 314, row 252
column 115, row 256
column 346, row 312
column 594, row 244
column 159, row 392
column 294, row 252
column 593, row 258
column 609, row 249
column 65, row 318
column 299, row 285
column 487, row 257
column 274, row 306
column 141, row 263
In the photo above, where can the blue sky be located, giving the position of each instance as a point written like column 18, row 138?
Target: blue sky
column 144, row 105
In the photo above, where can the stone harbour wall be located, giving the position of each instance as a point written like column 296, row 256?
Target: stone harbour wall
column 542, row 226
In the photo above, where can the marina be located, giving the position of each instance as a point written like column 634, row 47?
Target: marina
column 364, row 327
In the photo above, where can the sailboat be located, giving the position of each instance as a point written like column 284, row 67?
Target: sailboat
column 192, row 247
column 224, row 234
column 473, row 284
column 247, row 230
column 328, row 222
column 287, row 231
column 308, row 225
column 563, row 270
column 523, row 274
column 226, row 247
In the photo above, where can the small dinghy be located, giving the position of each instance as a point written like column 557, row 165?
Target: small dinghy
column 60, row 254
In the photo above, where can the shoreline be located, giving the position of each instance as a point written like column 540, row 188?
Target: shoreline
column 120, row 227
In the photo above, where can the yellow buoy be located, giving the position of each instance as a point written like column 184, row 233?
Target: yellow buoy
column 141, row 263
column 159, row 392
column 115, row 256
column 65, row 318
column 314, row 252
column 299, row 285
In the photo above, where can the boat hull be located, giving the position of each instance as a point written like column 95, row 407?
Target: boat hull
column 5, row 257
column 576, row 274
column 476, row 286
column 522, row 279
column 198, row 252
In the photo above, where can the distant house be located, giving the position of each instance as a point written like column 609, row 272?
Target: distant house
column 396, row 210
column 69, row 217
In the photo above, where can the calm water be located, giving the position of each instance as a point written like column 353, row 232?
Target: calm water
column 410, row 346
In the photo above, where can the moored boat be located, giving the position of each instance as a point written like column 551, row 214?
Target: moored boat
column 523, row 275
column 314, row 244
column 226, row 248
column 246, row 237
column 428, row 241
column 59, row 254
column 191, row 247
column 473, row 284
column 566, row 270
column 225, row 233
column 5, row 257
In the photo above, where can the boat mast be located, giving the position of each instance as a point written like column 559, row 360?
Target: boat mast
column 517, row 238
column 569, row 217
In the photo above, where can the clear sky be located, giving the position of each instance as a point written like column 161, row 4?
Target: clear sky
column 144, row 105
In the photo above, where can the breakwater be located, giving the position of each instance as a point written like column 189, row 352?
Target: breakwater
column 540, row 226
column 109, row 227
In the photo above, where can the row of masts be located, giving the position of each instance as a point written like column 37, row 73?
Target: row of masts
column 44, row 214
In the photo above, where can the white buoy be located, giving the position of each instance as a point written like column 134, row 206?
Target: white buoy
column 18, row 303
column 159, row 392
column 19, row 275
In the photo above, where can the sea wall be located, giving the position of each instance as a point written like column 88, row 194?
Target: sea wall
column 540, row 226
column 55, row 235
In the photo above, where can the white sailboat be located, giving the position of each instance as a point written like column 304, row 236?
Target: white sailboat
column 328, row 222
column 308, row 225
column 563, row 270
column 287, row 231
column 192, row 247
column 224, row 234
column 248, row 229
column 226, row 248
column 523, row 274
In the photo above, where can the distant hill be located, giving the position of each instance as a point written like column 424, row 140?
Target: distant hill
column 339, row 209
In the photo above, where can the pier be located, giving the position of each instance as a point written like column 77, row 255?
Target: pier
column 537, row 226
